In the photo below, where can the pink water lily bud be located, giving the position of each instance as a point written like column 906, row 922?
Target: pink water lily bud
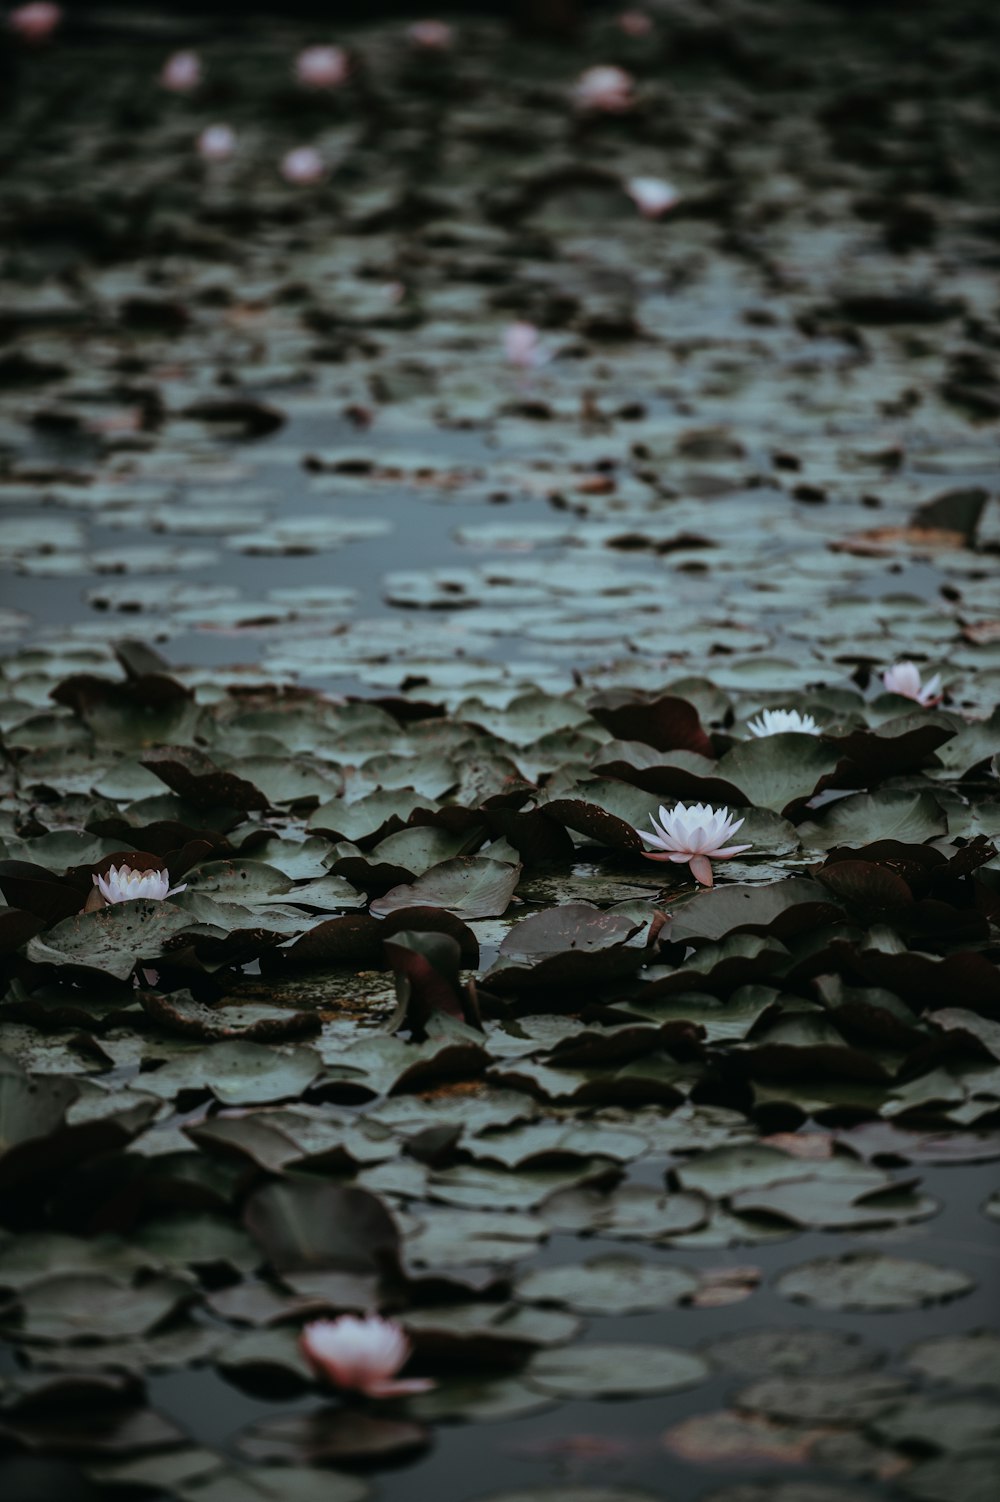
column 635, row 23
column 322, row 67
column 361, row 1355
column 695, row 835
column 904, row 678
column 652, row 196
column 605, row 88
column 35, row 23
column 217, row 143
column 523, row 346
column 303, row 165
column 181, row 72
column 122, row 884
column 433, row 36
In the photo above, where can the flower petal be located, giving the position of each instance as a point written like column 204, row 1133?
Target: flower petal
column 395, row 1387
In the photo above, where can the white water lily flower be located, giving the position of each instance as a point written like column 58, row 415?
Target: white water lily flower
column 433, row 36
column 635, row 23
column 652, row 196
column 783, row 722
column 303, row 164
column 36, row 21
column 904, row 678
column 322, row 67
column 523, row 346
column 181, row 73
column 217, row 143
column 605, row 88
column 693, row 834
column 361, row 1354
column 122, row 884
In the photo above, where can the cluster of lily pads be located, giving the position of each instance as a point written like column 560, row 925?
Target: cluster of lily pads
column 317, row 1010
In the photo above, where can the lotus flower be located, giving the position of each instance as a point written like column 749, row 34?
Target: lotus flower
column 432, row 36
column 363, row 1355
column 904, row 678
column 322, row 67
column 652, row 196
column 523, row 346
column 36, row 22
column 122, row 884
column 181, row 72
column 783, row 722
column 605, row 88
column 695, row 835
column 217, row 143
column 303, row 165
column 635, row 23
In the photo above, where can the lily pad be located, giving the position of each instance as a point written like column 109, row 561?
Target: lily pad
column 603, row 1370
column 872, row 1280
column 609, row 1285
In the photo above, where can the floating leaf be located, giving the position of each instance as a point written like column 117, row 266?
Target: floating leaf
column 871, row 1280
column 602, row 1370
column 609, row 1285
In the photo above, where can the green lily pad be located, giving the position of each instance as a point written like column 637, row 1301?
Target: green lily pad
column 111, row 941
column 872, row 1280
column 604, row 1370
column 609, row 1285
column 72, row 1306
column 971, row 1360
column 792, row 1352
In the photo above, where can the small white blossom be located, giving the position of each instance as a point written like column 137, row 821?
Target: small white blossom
column 693, row 834
column 363, row 1355
column 635, row 23
column 523, row 346
column 605, row 88
column 122, row 884
column 217, row 143
column 304, row 165
column 783, row 722
column 181, row 72
column 322, row 67
column 433, row 36
column 652, row 196
column 36, row 21
column 904, row 679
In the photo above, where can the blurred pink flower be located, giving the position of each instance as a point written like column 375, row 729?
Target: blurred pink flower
column 322, row 67
column 36, row 22
column 181, row 72
column 363, row 1355
column 652, row 196
column 635, row 23
column 523, row 346
column 217, row 143
column 904, row 678
column 693, row 834
column 605, row 88
column 303, row 164
column 433, row 36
